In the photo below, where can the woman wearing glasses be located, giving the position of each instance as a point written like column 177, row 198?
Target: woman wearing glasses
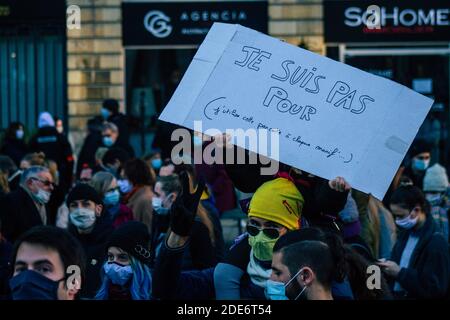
column 106, row 186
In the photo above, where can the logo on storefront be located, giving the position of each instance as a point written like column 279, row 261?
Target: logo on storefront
column 157, row 23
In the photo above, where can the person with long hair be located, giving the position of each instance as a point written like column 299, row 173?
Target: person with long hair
column 126, row 274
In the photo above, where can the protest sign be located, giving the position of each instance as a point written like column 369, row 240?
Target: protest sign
column 333, row 119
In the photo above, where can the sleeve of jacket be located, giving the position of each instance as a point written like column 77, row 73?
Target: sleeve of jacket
column 330, row 201
column 227, row 281
column 201, row 248
column 170, row 283
column 432, row 280
column 143, row 212
column 7, row 219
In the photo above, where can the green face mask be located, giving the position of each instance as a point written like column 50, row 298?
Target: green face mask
column 262, row 246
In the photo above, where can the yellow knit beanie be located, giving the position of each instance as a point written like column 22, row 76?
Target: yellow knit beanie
column 279, row 201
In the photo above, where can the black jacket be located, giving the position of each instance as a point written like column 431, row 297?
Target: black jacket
column 428, row 274
column 169, row 282
column 120, row 120
column 18, row 214
column 87, row 154
column 57, row 148
column 95, row 248
column 15, row 149
column 5, row 268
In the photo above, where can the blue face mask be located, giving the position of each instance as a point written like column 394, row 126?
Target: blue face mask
column 105, row 113
column 31, row 285
column 118, row 274
column 108, row 141
column 112, row 198
column 156, row 163
column 277, row 290
column 125, row 186
column 420, row 165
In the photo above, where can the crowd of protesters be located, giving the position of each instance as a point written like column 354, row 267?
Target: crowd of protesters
column 106, row 225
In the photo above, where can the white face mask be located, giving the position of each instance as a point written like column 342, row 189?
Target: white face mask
column 82, row 218
column 407, row 222
column 42, row 196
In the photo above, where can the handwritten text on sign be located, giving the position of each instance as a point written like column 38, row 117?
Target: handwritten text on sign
column 333, row 119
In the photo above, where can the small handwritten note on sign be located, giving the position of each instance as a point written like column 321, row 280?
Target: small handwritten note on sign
column 333, row 119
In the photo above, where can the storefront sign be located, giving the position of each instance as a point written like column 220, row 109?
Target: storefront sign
column 386, row 20
column 332, row 119
column 185, row 23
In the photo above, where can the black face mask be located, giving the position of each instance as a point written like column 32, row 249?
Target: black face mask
column 31, row 285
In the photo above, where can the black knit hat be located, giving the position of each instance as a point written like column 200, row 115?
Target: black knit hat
column 83, row 191
column 111, row 105
column 134, row 238
column 419, row 146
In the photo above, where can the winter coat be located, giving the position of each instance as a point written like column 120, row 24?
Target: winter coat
column 95, row 247
column 56, row 147
column 18, row 214
column 428, row 273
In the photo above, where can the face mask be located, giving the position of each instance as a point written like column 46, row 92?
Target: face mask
column 156, row 163
column 31, row 285
column 262, row 246
column 19, row 134
column 197, row 141
column 420, row 165
column 60, row 129
column 82, row 218
column 112, row 198
column 125, row 186
column 108, row 141
column 433, row 197
column 158, row 207
column 276, row 290
column 105, row 113
column 118, row 274
column 42, row 196
column 407, row 222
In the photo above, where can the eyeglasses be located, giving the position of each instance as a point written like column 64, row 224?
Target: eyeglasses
column 272, row 233
column 44, row 182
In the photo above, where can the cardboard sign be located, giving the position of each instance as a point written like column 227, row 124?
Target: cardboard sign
column 333, row 119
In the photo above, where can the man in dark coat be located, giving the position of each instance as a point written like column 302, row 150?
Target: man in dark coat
column 111, row 135
column 26, row 207
column 110, row 113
